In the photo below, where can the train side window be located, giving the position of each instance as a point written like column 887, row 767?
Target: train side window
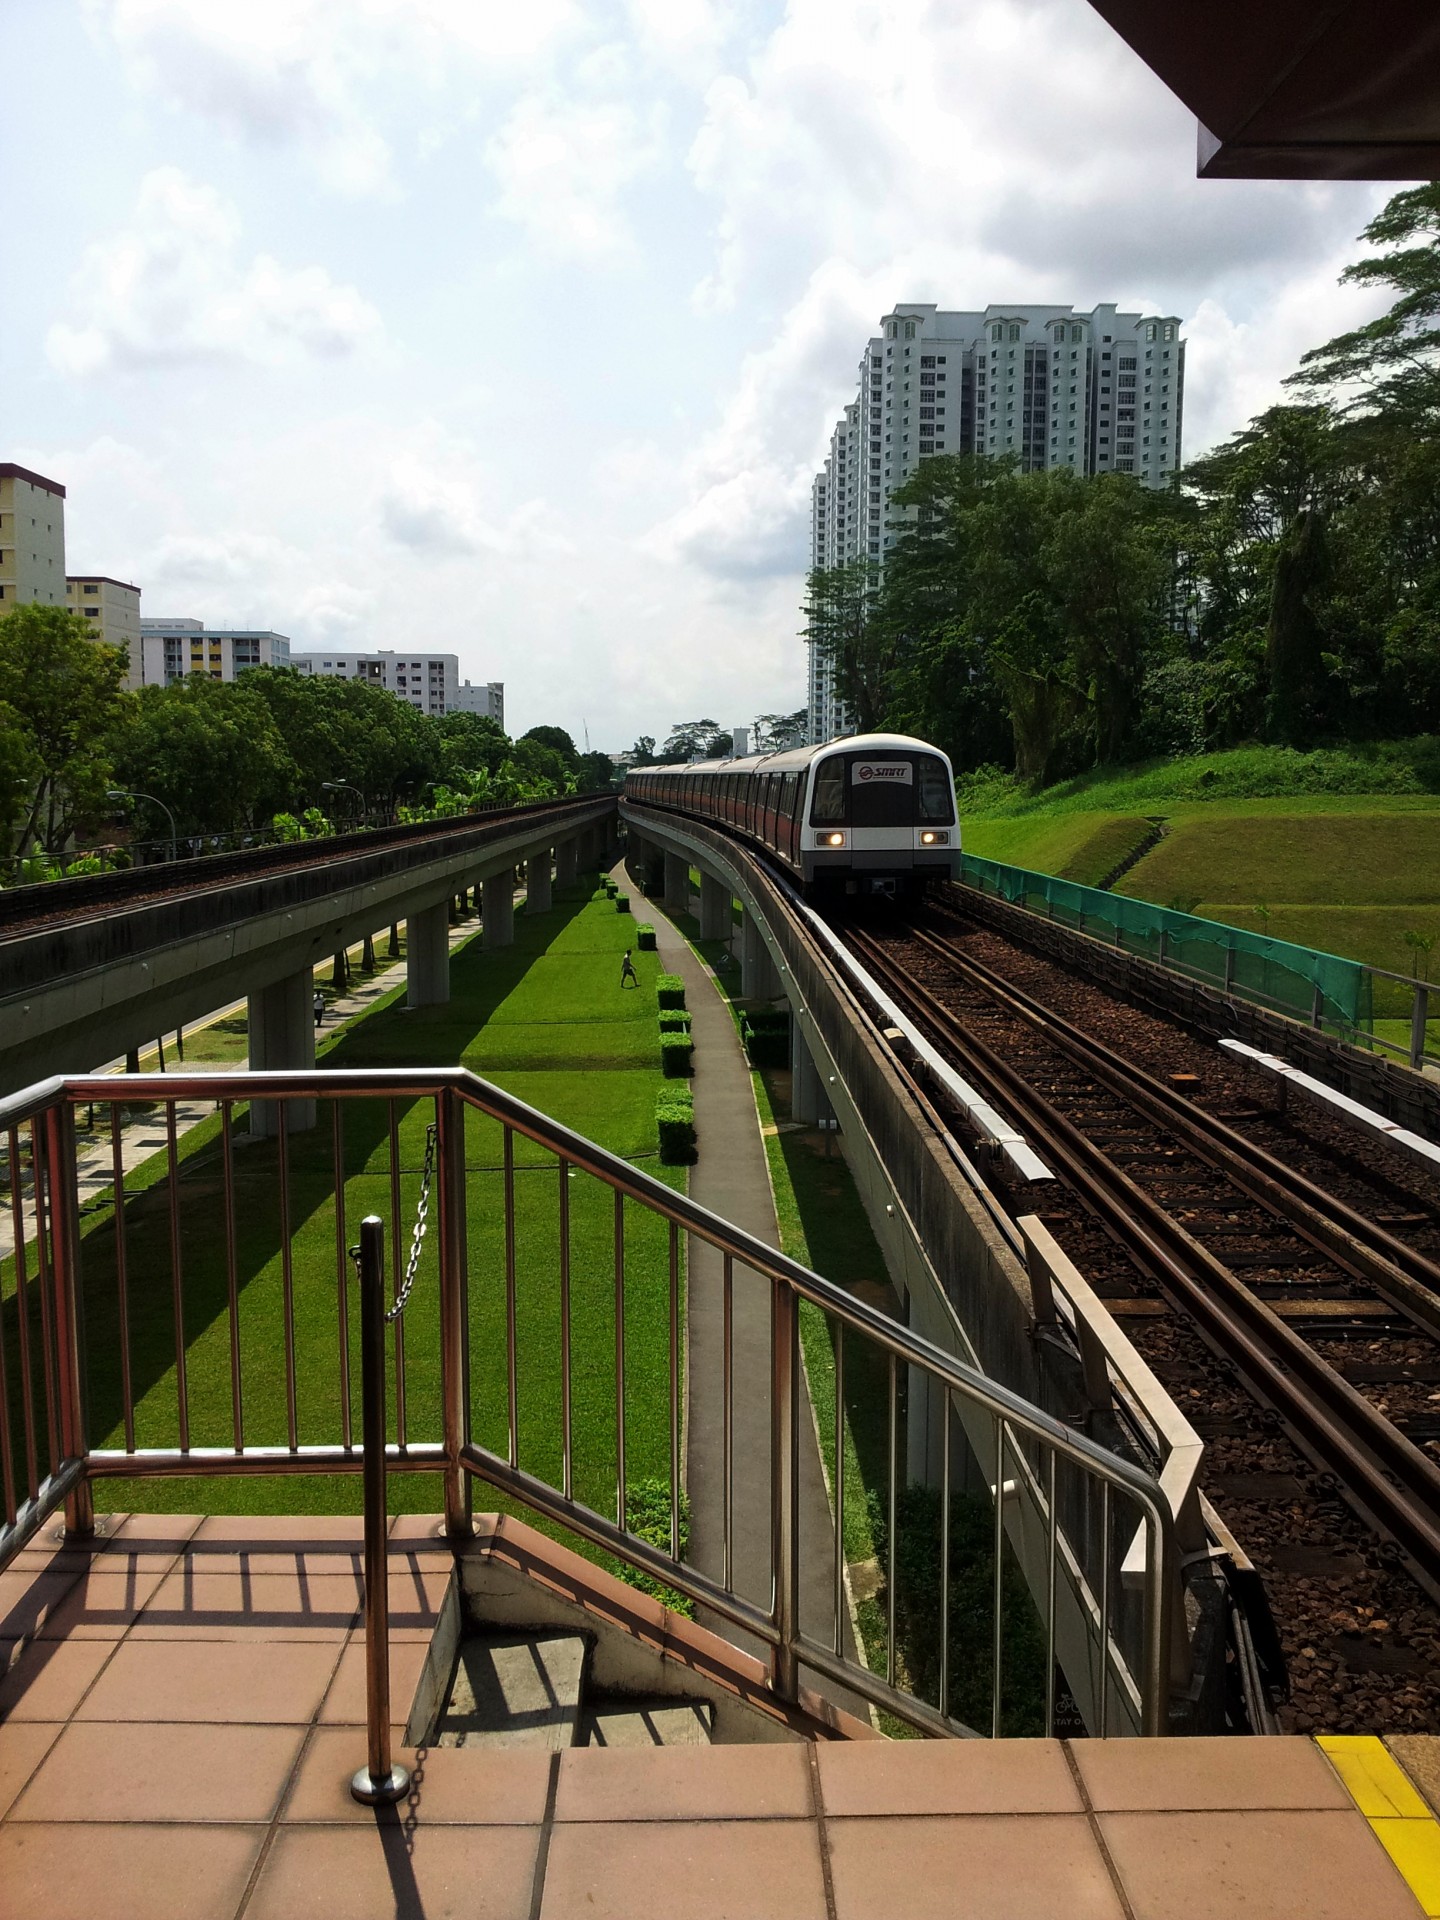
column 828, row 807
column 935, row 799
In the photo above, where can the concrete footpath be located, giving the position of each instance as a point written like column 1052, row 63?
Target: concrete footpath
column 732, row 1179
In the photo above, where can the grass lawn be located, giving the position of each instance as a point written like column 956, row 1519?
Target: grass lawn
column 546, row 1020
column 1084, row 847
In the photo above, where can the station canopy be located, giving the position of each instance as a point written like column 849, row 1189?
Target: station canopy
column 1298, row 89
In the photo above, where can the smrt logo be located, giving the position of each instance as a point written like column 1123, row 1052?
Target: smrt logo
column 895, row 771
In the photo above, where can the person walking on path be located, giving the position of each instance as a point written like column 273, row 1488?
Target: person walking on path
column 319, row 1006
column 628, row 975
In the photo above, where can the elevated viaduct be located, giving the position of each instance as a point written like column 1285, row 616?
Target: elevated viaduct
column 93, row 968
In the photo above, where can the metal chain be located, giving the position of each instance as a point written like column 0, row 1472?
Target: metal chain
column 417, row 1233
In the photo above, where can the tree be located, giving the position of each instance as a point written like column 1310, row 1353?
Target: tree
column 469, row 741
column 643, row 753
column 61, row 694
column 594, row 773
column 1391, row 366
column 695, row 740
column 209, row 750
column 841, row 608
column 774, row 732
column 558, row 741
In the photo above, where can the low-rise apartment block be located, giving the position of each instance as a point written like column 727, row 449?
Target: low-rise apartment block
column 174, row 649
column 111, row 612
column 486, row 699
column 429, row 681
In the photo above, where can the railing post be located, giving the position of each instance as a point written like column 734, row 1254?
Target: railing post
column 785, row 1544
column 1419, row 1015
column 378, row 1781
column 454, row 1309
column 1162, row 1593
column 64, row 1263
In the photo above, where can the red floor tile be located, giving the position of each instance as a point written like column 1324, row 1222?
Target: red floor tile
column 276, row 1606
column 1254, row 1866
column 101, row 1771
column 1201, row 1775
column 23, row 1745
column 282, row 1682
column 126, row 1872
column 951, row 1776
column 720, row 1870
column 50, row 1678
column 999, row 1866
column 684, row 1783
column 375, row 1870
column 345, row 1700
column 451, row 1785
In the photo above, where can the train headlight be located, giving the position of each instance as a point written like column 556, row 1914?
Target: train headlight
column 930, row 838
column 832, row 839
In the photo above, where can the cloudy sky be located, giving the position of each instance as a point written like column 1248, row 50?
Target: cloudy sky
column 519, row 329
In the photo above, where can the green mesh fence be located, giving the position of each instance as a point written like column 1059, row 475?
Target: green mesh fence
column 1319, row 988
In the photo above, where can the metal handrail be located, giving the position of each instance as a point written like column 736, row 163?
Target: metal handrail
column 1011, row 1440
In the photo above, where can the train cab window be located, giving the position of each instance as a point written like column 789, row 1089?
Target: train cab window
column 934, row 799
column 828, row 807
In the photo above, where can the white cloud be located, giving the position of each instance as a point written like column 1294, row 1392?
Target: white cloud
column 326, row 76
column 433, row 501
column 172, row 288
column 561, row 164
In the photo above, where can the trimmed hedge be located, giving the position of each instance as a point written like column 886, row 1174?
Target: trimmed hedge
column 676, row 1050
column 675, row 1122
column 622, row 902
column 672, row 1021
column 669, row 990
column 766, row 1038
column 645, row 938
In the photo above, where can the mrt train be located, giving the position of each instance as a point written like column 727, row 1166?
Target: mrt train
column 874, row 814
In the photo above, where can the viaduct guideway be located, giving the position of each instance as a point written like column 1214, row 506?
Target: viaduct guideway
column 90, row 974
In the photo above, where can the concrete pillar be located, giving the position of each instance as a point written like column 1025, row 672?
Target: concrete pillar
column 499, row 917
column 367, row 954
column 677, row 883
column 715, row 920
column 537, row 882
column 427, row 969
column 566, row 865
column 281, row 1023
column 758, row 978
column 807, row 1102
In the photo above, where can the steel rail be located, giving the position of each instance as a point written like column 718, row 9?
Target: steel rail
column 1409, row 1279
column 1389, row 1481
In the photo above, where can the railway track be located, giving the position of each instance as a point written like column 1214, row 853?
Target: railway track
column 1244, row 1278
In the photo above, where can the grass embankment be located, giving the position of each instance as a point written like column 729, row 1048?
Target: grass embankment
column 545, row 1019
column 1338, row 850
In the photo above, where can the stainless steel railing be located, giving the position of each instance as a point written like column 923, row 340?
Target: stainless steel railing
column 182, row 1333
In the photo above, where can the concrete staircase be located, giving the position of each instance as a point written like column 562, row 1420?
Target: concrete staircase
column 530, row 1690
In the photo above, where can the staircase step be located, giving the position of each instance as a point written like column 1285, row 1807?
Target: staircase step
column 515, row 1690
column 626, row 1722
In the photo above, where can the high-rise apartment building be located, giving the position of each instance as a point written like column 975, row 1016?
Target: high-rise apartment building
column 111, row 612
column 174, row 649
column 1098, row 392
column 32, row 539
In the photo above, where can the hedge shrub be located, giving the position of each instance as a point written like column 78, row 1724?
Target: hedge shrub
column 669, row 990
column 645, row 938
column 672, row 1021
column 622, row 902
column 676, row 1050
column 675, row 1122
column 766, row 1038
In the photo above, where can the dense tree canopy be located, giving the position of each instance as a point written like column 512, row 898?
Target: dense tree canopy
column 1286, row 587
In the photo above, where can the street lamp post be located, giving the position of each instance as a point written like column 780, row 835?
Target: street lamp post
column 344, row 786
column 120, row 793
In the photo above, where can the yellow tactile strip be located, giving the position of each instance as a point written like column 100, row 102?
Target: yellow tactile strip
column 1400, row 1819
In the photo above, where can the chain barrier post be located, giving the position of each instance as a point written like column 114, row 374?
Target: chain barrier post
column 379, row 1781
column 60, row 1174
column 454, row 1311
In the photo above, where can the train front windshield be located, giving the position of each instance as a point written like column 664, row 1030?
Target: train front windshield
column 882, row 790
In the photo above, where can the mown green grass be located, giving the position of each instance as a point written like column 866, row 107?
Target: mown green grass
column 1333, row 860
column 561, row 1037
column 1084, row 847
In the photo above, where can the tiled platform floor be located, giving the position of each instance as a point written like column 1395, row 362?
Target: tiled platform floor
column 182, row 1712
